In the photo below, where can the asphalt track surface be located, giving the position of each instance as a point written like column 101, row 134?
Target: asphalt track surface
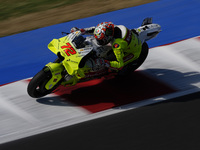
column 170, row 125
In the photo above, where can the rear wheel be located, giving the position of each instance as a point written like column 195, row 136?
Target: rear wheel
column 36, row 87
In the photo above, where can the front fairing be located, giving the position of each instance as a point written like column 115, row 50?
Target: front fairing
column 72, row 55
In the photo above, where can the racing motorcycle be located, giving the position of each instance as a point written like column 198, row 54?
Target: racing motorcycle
column 73, row 50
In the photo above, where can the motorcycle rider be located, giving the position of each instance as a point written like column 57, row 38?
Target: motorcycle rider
column 125, row 44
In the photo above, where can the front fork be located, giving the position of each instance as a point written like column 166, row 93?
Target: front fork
column 56, row 70
column 58, row 73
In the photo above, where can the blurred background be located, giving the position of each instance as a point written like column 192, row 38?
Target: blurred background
column 23, row 15
column 174, row 60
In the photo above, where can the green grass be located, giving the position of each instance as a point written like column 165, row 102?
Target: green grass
column 15, row 8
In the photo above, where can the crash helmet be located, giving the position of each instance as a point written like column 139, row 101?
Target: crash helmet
column 104, row 32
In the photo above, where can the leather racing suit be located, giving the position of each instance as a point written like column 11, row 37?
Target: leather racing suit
column 126, row 46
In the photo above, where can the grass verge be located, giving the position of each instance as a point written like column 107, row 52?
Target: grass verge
column 16, row 8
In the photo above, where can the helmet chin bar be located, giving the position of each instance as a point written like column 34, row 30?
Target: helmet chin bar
column 103, row 41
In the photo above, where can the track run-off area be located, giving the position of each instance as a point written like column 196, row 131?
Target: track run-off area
column 171, row 70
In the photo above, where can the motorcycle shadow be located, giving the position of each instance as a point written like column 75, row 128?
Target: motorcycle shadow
column 100, row 94
column 54, row 101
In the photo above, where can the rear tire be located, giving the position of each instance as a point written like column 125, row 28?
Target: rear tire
column 36, row 87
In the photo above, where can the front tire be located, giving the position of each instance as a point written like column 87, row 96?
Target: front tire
column 36, row 87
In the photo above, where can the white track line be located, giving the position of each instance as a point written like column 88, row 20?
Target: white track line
column 6, row 104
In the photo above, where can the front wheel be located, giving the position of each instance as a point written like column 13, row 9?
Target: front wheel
column 36, row 87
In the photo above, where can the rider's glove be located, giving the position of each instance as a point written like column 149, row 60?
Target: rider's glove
column 74, row 29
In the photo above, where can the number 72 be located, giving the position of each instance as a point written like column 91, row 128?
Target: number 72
column 69, row 49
